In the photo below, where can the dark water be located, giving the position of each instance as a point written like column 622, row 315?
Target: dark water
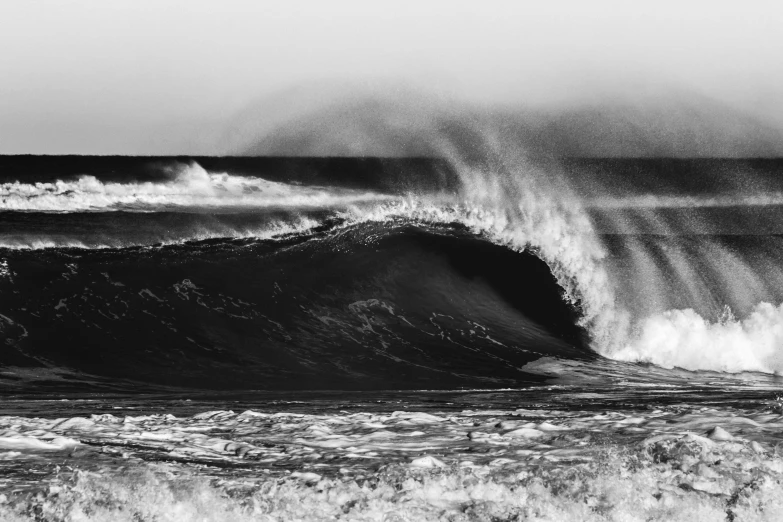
column 369, row 307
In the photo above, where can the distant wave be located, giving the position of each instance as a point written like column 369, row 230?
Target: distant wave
column 131, row 230
column 192, row 187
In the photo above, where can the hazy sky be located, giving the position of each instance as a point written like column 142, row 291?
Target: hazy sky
column 138, row 76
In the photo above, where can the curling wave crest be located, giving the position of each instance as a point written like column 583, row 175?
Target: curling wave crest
column 512, row 204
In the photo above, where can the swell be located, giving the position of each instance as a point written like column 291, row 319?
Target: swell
column 364, row 306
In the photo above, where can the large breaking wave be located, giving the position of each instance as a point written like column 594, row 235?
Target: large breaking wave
column 669, row 297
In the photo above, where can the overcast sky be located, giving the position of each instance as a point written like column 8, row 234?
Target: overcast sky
column 138, row 76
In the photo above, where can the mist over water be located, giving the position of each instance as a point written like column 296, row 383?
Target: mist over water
column 400, row 120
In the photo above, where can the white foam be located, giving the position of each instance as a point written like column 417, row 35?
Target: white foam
column 33, row 444
column 682, row 338
column 647, row 465
column 5, row 271
column 192, row 187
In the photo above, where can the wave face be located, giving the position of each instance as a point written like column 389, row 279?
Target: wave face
column 365, row 306
column 383, row 273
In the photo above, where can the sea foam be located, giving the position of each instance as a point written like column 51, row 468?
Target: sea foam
column 683, row 462
column 191, row 187
column 684, row 339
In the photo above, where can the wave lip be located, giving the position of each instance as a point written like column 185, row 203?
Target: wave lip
column 191, row 187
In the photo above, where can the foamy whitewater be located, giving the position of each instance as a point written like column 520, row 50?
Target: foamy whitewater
column 252, row 344
column 191, row 187
column 675, row 462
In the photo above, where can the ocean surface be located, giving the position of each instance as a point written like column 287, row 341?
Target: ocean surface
column 390, row 339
